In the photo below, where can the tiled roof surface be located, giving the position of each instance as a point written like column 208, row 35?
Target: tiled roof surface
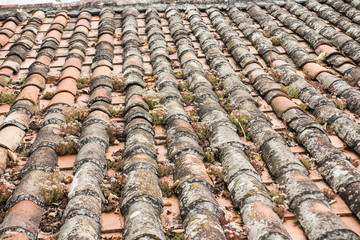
column 188, row 121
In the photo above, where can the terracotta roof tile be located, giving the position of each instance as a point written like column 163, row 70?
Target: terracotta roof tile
column 214, row 121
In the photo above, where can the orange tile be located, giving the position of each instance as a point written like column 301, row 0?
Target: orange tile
column 27, row 62
column 9, row 6
column 107, row 37
column 297, row 149
column 30, row 93
column 118, row 98
column 277, row 123
column 351, row 154
column 337, row 142
column 44, row 59
column 3, row 40
column 353, row 223
column 101, row 71
column 314, row 175
column 113, row 236
column 66, row 162
column 61, row 20
column 113, row 149
column 266, row 177
column 111, row 172
column 328, row 50
column 62, row 98
column 281, row 104
column 15, row 236
column 44, row 103
column 264, row 107
column 339, row 206
column 170, row 215
column 288, row 215
column 10, row 25
column 27, row 212
column 294, row 230
column 71, row 72
column 84, row 22
column 162, row 153
column 4, row 108
column 160, row 132
column 82, row 100
column 67, row 85
column 39, row 14
column 111, row 222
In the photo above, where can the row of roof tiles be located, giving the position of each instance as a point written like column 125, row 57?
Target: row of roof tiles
column 142, row 201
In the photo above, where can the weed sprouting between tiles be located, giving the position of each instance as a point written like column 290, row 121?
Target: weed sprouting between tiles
column 292, row 92
column 116, row 164
column 116, row 111
column 279, row 198
column 165, row 169
column 216, row 173
column 275, row 41
column 192, row 115
column 166, row 189
column 74, row 113
column 115, row 133
column 6, row 189
column 307, row 76
column 214, row 79
column 179, row 75
column 305, row 161
column 118, row 83
column 329, row 194
column 112, row 187
column 70, row 131
column 175, row 234
column 233, row 228
column 341, row 103
column 150, row 78
column 221, row 94
column 275, row 74
column 201, row 129
column 151, row 97
column 229, row 107
column 8, row 181
column 158, row 113
column 7, row 97
column 68, row 146
column 183, row 85
column 255, row 158
column 187, row 96
column 210, row 154
column 52, row 79
column 52, row 187
column 240, row 119
column 82, row 82
column 171, row 50
column 24, row 153
column 71, row 128
column 48, row 95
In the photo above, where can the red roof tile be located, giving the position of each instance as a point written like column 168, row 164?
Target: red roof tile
column 197, row 83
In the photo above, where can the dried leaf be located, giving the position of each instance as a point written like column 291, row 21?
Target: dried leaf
column 321, row 57
column 11, row 155
column 178, row 231
column 175, row 184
